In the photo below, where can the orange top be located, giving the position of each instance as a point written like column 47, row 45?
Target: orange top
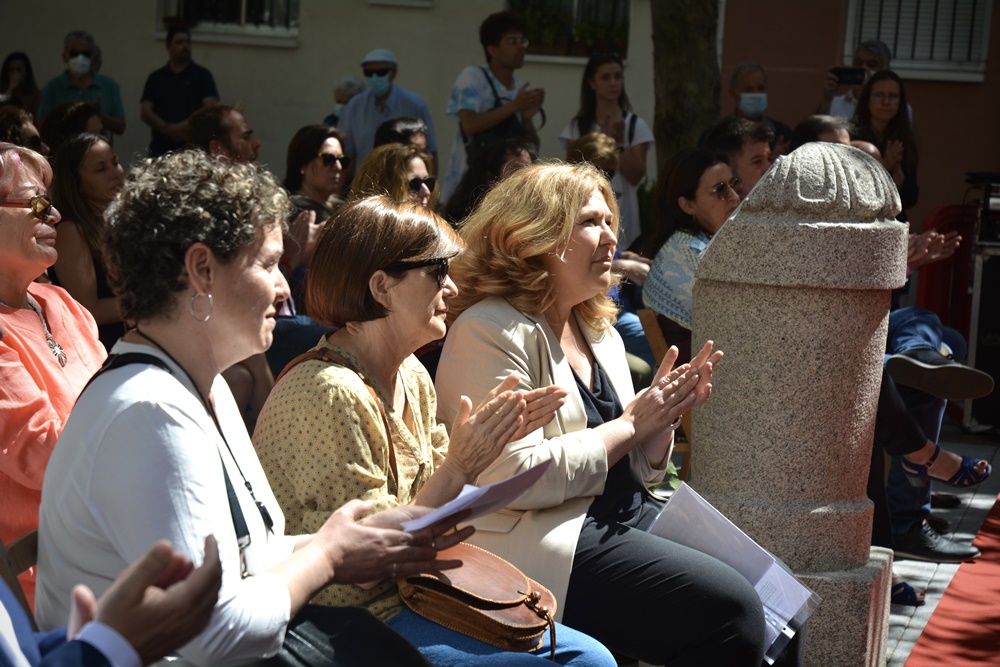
column 36, row 396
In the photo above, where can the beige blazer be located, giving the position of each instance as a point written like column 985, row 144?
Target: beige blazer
column 539, row 531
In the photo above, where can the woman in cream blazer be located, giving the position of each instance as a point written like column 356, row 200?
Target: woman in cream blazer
column 531, row 302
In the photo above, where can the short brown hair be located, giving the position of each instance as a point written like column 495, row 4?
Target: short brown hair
column 366, row 236
column 209, row 123
column 596, row 148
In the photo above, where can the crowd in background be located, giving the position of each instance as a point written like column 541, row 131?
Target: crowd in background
column 359, row 337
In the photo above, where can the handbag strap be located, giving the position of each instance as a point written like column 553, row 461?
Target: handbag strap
column 235, row 511
column 332, row 357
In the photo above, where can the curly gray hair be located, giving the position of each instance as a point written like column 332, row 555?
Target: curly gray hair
column 172, row 202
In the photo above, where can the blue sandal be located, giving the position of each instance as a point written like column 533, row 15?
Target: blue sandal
column 904, row 594
column 967, row 474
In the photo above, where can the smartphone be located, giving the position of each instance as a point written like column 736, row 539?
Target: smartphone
column 849, row 76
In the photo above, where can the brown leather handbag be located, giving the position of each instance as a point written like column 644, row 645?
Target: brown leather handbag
column 486, row 598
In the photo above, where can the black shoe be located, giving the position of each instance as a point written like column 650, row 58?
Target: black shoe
column 938, row 375
column 938, row 524
column 925, row 543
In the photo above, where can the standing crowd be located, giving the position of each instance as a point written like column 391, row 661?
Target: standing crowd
column 201, row 363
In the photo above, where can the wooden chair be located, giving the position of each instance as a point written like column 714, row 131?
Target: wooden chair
column 15, row 558
column 659, row 346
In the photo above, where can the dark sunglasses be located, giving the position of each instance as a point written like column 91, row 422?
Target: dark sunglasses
column 719, row 189
column 40, row 205
column 416, row 182
column 74, row 53
column 380, row 72
column 329, row 158
column 440, row 265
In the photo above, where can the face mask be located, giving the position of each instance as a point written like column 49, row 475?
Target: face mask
column 753, row 104
column 79, row 64
column 379, row 85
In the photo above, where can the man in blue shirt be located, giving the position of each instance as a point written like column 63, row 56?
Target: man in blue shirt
column 155, row 606
column 384, row 100
column 80, row 83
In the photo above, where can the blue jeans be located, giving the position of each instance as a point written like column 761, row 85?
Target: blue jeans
column 446, row 648
column 915, row 328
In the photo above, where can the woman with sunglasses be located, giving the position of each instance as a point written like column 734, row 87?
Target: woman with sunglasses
column 314, row 177
column 695, row 196
column 401, row 171
column 48, row 343
column 372, row 431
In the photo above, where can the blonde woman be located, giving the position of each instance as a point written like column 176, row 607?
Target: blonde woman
column 532, row 302
column 401, row 171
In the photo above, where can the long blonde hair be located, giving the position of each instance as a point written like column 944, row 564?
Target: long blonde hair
column 521, row 220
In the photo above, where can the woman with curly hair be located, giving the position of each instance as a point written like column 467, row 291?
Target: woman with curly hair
column 532, row 303
column 155, row 447
column 401, row 171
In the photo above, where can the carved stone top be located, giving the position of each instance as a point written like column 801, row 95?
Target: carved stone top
column 821, row 217
column 829, row 183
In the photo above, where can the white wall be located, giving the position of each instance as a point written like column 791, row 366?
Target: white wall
column 281, row 89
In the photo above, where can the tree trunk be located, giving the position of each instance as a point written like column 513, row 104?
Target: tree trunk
column 686, row 73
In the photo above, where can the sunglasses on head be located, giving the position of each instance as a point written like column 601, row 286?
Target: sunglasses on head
column 329, row 158
column 719, row 189
column 440, row 265
column 416, row 182
column 378, row 71
column 40, row 205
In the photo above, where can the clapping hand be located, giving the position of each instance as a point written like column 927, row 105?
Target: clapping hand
column 158, row 604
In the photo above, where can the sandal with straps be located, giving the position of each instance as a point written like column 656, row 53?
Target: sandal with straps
column 966, row 475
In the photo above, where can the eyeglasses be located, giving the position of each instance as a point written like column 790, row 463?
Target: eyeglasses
column 416, row 182
column 516, row 40
column 379, row 72
column 440, row 265
column 329, row 158
column 886, row 97
column 40, row 205
column 719, row 189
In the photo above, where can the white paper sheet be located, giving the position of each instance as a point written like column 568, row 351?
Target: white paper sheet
column 691, row 520
column 481, row 499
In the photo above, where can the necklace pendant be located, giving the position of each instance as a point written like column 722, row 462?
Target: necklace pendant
column 57, row 350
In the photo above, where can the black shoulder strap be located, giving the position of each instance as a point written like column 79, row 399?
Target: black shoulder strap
column 496, row 95
column 631, row 128
column 128, row 358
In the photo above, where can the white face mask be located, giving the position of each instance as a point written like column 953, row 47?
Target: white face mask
column 79, row 64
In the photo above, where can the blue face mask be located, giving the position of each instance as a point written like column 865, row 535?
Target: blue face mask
column 379, row 85
column 753, row 104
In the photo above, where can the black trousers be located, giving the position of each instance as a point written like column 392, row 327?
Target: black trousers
column 657, row 601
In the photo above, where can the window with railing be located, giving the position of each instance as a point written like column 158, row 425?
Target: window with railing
column 241, row 21
column 929, row 39
column 574, row 28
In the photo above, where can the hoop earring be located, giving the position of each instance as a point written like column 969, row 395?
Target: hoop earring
column 191, row 307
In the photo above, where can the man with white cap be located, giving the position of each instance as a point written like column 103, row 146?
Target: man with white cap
column 384, row 100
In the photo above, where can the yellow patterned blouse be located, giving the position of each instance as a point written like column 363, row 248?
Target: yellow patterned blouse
column 322, row 442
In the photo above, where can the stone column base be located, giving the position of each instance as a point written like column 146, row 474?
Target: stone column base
column 850, row 626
